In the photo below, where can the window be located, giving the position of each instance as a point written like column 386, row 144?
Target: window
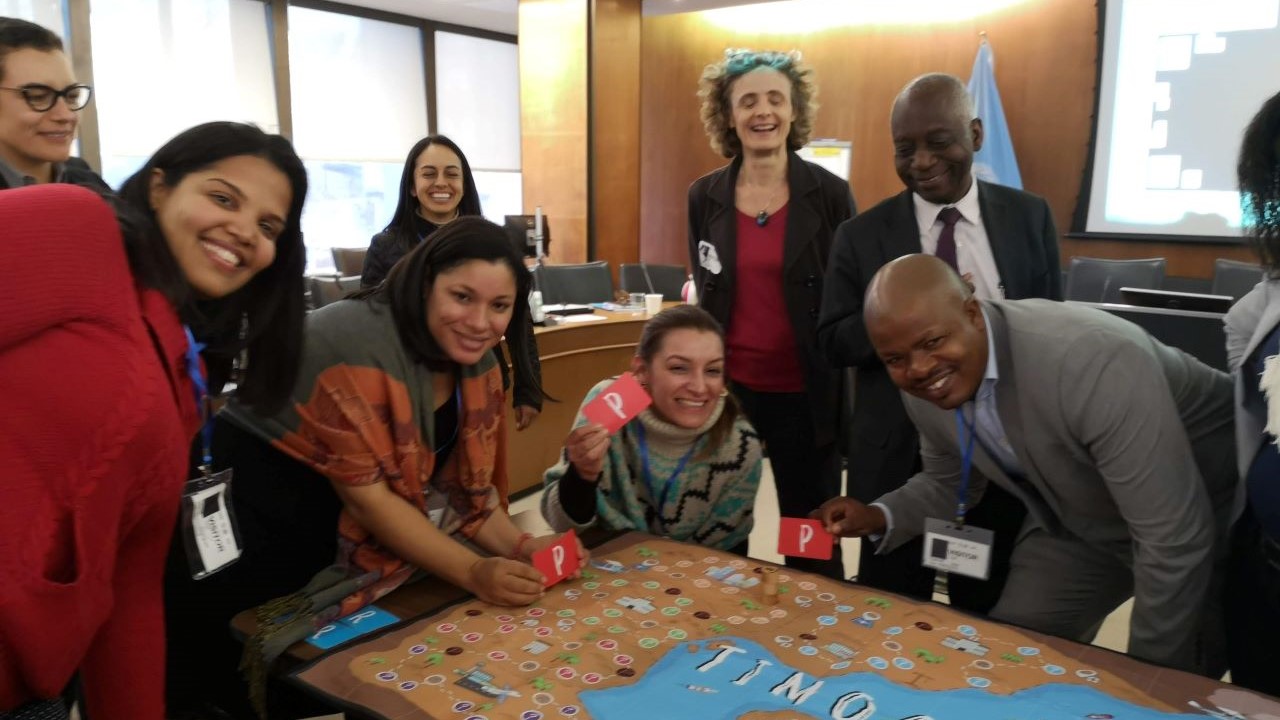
column 47, row 13
column 478, row 107
column 162, row 66
column 359, row 96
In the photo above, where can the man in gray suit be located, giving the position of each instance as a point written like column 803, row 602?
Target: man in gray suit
column 1121, row 449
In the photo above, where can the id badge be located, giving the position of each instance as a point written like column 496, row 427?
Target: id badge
column 959, row 549
column 209, row 530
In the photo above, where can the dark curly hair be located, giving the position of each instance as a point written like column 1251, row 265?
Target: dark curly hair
column 1258, row 171
column 716, row 84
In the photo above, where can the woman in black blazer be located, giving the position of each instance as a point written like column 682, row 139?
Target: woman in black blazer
column 760, row 229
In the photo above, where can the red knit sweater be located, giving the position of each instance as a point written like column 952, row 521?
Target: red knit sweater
column 97, row 416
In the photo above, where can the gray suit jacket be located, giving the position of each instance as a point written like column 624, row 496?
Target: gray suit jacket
column 1248, row 324
column 1126, row 445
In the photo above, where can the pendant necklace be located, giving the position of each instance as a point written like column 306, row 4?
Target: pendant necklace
column 762, row 217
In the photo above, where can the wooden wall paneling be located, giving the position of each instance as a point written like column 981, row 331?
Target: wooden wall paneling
column 553, row 119
column 1046, row 57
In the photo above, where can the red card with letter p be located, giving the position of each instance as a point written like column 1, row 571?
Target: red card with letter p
column 799, row 537
column 559, row 560
column 618, row 403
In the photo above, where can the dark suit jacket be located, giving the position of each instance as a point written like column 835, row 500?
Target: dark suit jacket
column 76, row 172
column 820, row 201
column 884, row 450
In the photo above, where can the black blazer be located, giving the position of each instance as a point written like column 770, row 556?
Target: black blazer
column 884, row 450
column 76, row 172
column 819, row 202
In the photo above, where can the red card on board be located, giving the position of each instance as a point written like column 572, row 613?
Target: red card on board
column 799, row 537
column 618, row 403
column 559, row 560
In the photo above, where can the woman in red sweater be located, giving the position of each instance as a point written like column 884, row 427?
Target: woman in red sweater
column 96, row 372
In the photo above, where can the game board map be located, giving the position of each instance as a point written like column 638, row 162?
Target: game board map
column 661, row 629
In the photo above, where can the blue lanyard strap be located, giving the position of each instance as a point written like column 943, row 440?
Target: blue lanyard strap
column 966, row 461
column 202, row 397
column 648, row 476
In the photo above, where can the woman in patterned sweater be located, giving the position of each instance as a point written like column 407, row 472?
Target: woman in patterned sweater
column 685, row 468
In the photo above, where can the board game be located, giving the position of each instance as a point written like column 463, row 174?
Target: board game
column 660, row 629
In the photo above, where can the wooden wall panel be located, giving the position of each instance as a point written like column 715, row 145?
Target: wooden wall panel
column 1045, row 64
column 553, row 119
column 615, row 131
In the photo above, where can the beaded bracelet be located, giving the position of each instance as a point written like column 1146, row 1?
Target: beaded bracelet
column 524, row 537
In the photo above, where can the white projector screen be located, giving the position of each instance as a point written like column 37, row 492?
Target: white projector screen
column 1179, row 81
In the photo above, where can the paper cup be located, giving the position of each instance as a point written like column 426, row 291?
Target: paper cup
column 653, row 303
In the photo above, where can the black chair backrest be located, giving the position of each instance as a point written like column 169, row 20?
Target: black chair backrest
column 349, row 261
column 1234, row 278
column 646, row 278
column 580, row 284
column 1100, row 280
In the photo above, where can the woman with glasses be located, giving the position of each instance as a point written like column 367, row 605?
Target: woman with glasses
column 436, row 188
column 759, row 233
column 100, row 373
column 40, row 104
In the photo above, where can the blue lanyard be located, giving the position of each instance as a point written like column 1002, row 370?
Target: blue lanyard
column 966, row 460
column 648, row 476
column 202, row 398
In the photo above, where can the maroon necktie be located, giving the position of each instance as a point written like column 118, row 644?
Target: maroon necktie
column 947, row 240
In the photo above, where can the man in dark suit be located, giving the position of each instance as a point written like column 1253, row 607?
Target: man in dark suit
column 1003, row 241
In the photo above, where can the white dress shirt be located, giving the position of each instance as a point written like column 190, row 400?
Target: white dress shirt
column 973, row 247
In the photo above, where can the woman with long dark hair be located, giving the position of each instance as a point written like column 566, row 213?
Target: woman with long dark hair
column 436, row 188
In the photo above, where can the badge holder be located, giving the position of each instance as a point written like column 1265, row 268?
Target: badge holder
column 209, row 532
column 955, row 547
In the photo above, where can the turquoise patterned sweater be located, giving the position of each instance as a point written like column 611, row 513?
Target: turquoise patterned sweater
column 709, row 502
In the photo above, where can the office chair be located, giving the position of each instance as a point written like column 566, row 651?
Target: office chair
column 581, row 284
column 326, row 289
column 1234, row 278
column 349, row 261
column 1100, row 280
column 646, row 278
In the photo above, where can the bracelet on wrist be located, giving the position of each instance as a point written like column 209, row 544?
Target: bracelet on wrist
column 524, row 538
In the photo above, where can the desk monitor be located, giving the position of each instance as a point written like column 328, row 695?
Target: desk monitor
column 1199, row 334
column 1143, row 297
column 520, row 229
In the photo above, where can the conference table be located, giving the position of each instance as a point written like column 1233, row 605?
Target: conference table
column 575, row 356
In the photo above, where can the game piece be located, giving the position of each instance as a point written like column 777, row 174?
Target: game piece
column 622, row 400
column 770, row 585
column 802, row 537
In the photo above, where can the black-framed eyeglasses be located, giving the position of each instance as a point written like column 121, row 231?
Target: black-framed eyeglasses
column 42, row 98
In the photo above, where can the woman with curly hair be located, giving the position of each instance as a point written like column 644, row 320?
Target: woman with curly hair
column 760, row 229
column 1253, row 351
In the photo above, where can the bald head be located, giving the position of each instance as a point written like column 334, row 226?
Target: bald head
column 928, row 329
column 935, row 135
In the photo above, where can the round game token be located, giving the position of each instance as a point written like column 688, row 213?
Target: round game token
column 567, row 673
column 455, row 650
column 672, row 590
column 1054, row 670
column 702, row 583
column 683, row 601
column 648, row 643
column 804, row 600
column 808, row 636
column 616, row 629
column 650, row 562
column 659, row 568
column 623, row 660
column 387, row 676
column 978, row 682
column 472, row 637
column 506, row 629
column 612, row 612
column 408, row 685
column 784, row 578
column 565, row 613
column 599, row 595
column 738, row 564
column 684, row 563
column 711, row 559
column 891, row 645
column 670, row 611
column 572, row 645
column 1086, row 673
column 878, row 663
column 807, row 585
column 565, row 623
column 782, row 639
column 472, row 612
column 417, row 649
column 607, row 644
column 462, row 706
column 826, row 597
column 827, row 620
column 591, row 678
column 840, row 665
column 676, row 575
column 572, row 593
column 1028, row 651
column 903, row 663
column 569, row 710
column 590, row 621
column 924, row 626
column 736, row 619
column 677, row 634
column 808, row 650
column 729, row 590
column 530, row 622
column 647, row 624
column 702, row 615
column 760, row 620
column 777, row 613
column 626, row 672
column 651, row 584
column 446, row 627
column 542, row 631
column 476, row 717
column 529, row 666
column 504, row 618
column 536, row 612
column 530, row 715
column 590, row 585
column 620, row 583
column 497, row 656
column 844, row 608
column 1093, row 679
column 433, row 680
column 895, row 630
column 966, row 630
column 871, row 615
column 983, row 664
column 543, row 698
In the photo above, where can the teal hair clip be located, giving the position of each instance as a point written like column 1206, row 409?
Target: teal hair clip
column 740, row 60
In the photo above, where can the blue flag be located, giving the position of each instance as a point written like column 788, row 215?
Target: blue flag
column 995, row 162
